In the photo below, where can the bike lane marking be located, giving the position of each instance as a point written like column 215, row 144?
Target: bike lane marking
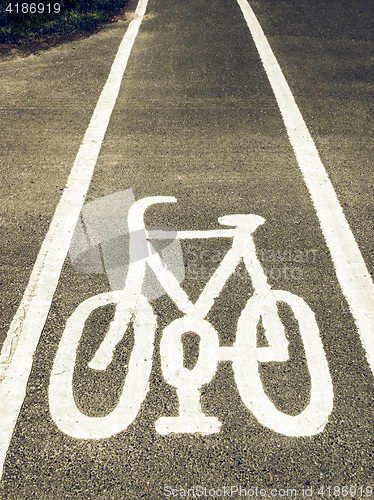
column 131, row 304
column 350, row 268
column 24, row 332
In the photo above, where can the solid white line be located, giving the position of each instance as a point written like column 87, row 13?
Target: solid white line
column 351, row 271
column 25, row 330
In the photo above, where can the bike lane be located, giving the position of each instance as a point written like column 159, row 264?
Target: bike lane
column 196, row 119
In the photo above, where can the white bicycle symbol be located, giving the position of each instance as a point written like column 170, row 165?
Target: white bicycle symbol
column 131, row 305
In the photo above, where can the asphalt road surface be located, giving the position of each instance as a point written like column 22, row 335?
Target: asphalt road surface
column 263, row 387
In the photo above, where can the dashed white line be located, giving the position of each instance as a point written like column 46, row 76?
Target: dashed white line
column 349, row 264
column 25, row 330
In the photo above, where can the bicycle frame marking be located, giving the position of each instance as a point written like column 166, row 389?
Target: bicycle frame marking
column 244, row 354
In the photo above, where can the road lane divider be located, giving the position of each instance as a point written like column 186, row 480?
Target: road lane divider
column 24, row 333
column 353, row 276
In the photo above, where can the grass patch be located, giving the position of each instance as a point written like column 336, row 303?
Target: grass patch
column 19, row 23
